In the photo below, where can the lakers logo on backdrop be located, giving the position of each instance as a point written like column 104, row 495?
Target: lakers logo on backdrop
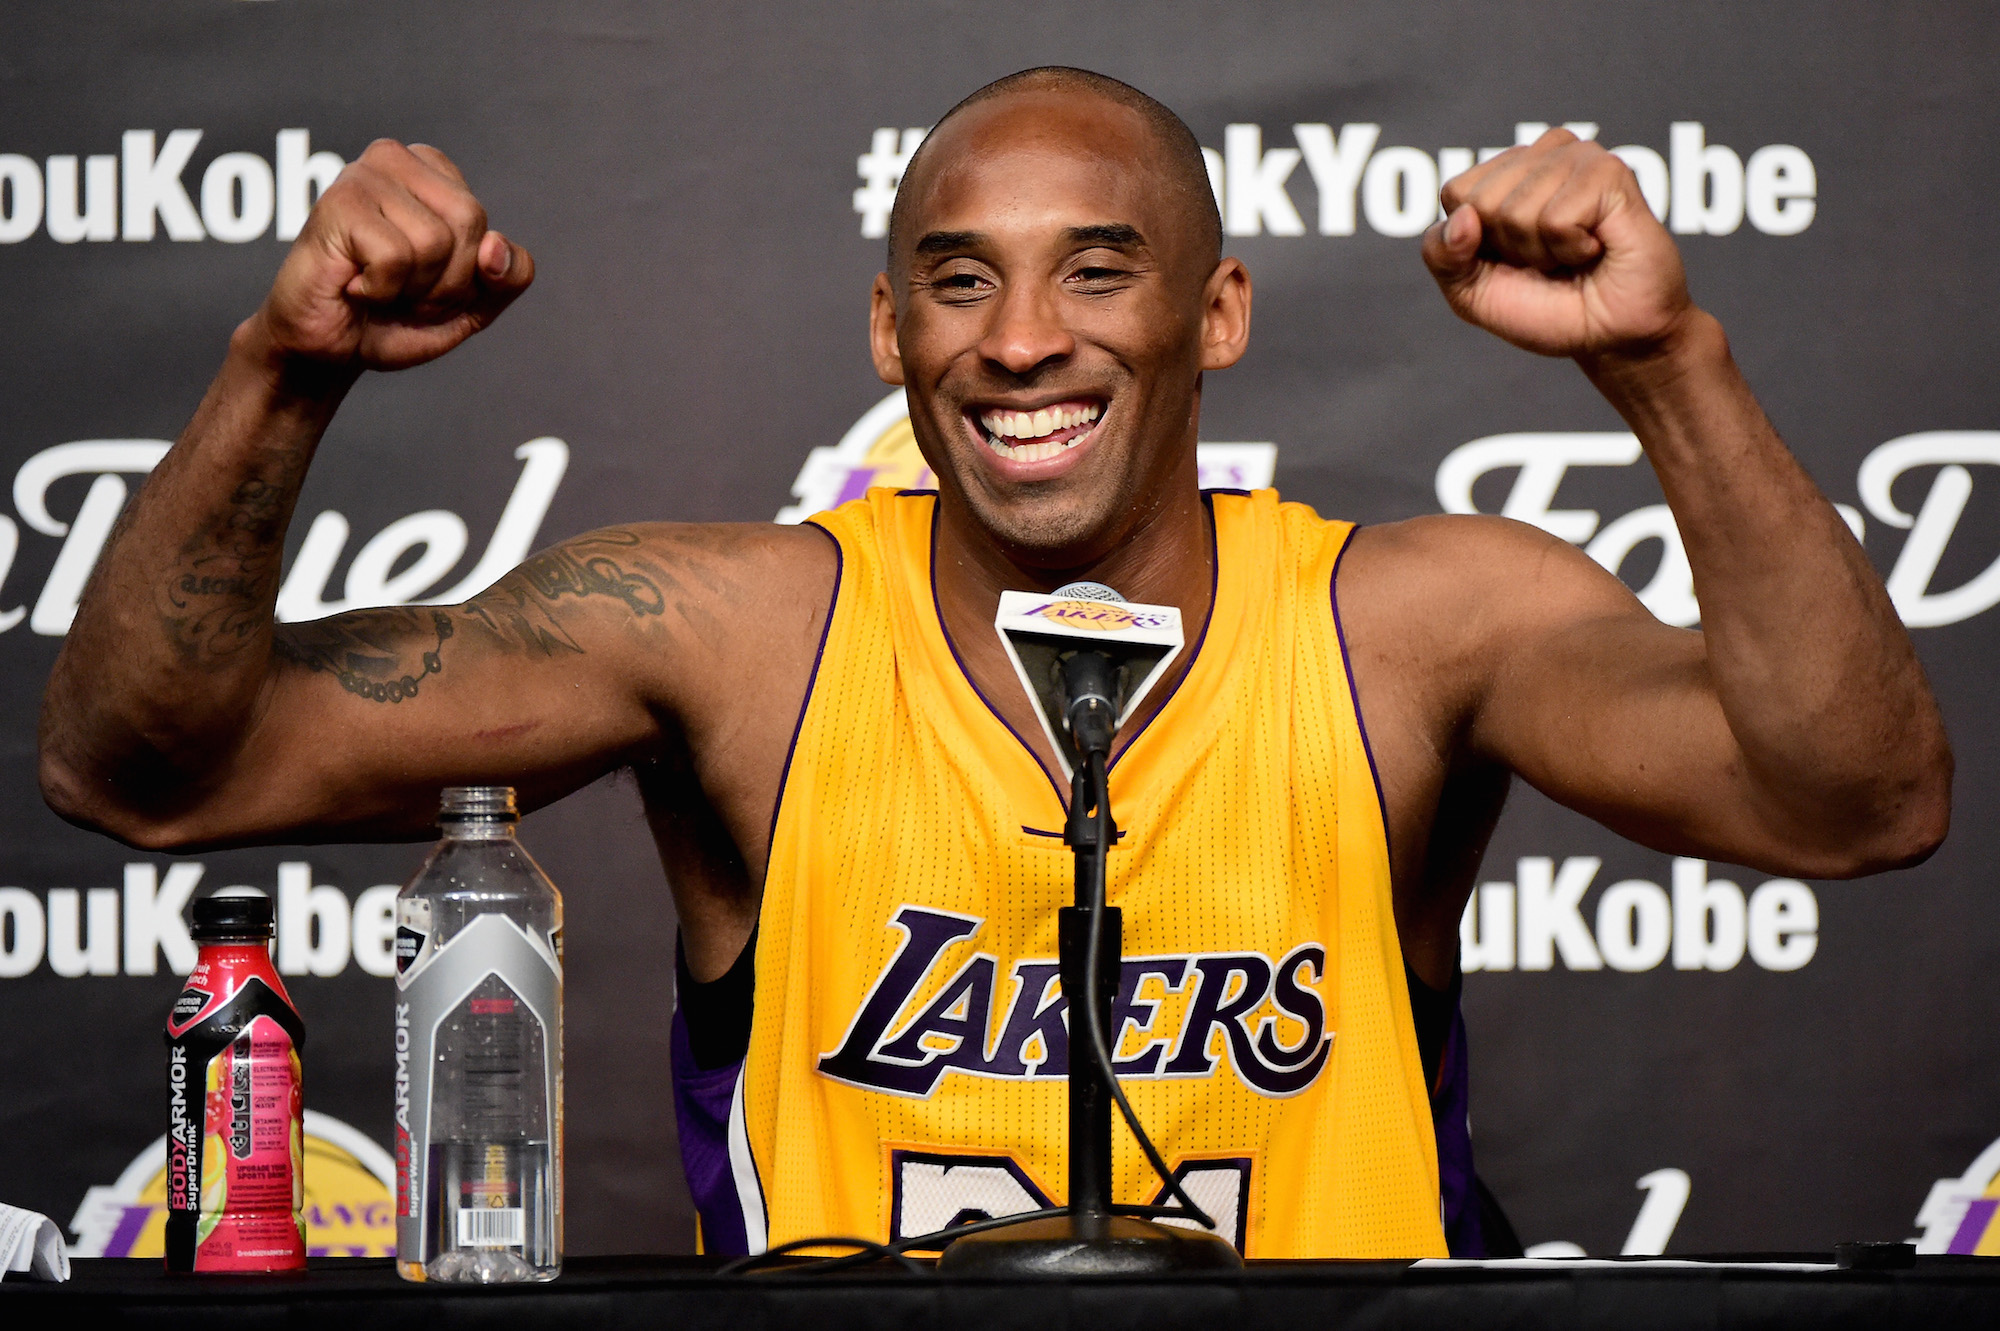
column 881, row 450
column 1962, row 1215
column 350, row 1209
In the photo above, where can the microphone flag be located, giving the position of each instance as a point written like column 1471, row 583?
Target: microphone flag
column 1041, row 630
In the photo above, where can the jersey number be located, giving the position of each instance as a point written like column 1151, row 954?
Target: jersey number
column 933, row 1191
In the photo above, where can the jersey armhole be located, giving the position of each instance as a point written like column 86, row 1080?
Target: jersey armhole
column 812, row 682
column 1354, row 693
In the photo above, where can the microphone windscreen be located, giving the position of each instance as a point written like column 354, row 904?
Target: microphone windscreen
column 1086, row 591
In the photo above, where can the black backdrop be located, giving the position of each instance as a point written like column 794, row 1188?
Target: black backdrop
column 687, row 178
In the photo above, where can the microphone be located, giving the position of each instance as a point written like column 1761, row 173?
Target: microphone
column 1090, row 681
column 1086, row 656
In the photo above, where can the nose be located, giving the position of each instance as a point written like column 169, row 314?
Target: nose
column 1026, row 332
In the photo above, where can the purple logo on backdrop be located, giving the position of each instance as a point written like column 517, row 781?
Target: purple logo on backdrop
column 1962, row 1215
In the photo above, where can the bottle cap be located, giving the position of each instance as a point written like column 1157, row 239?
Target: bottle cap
column 462, row 802
column 1874, row 1256
column 218, row 918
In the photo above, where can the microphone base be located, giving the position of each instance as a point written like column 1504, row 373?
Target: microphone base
column 1087, row 1245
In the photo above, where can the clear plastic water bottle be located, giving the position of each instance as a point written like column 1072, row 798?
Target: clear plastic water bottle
column 479, row 1054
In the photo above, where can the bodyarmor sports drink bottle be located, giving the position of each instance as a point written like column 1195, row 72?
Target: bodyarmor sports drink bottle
column 235, row 1104
column 479, row 1054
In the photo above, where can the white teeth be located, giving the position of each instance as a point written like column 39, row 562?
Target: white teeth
column 1034, row 425
column 1025, row 452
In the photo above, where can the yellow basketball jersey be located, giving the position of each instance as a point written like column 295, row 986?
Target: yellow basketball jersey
column 909, row 1042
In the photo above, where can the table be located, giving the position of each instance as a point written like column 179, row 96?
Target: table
column 360, row 1294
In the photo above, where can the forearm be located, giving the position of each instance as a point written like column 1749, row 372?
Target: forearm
column 160, row 674
column 1814, row 671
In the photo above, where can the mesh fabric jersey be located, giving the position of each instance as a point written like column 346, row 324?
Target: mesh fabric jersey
column 908, row 1040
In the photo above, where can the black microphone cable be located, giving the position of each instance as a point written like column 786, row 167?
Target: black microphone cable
column 1100, row 794
column 1097, row 789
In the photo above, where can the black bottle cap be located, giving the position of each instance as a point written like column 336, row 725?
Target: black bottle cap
column 218, row 918
column 1874, row 1256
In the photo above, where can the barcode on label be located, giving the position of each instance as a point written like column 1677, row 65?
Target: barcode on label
column 490, row 1227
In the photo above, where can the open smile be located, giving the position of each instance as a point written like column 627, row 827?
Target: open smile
column 1039, row 434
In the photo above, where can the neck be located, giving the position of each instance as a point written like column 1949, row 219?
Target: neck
column 1165, row 558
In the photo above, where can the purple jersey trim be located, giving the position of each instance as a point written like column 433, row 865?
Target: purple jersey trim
column 703, row 1097
column 937, row 608
column 1187, row 666
column 1354, row 694
column 812, row 680
column 1458, row 1189
column 701, row 1113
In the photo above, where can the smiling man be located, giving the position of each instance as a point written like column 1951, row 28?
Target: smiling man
column 839, row 763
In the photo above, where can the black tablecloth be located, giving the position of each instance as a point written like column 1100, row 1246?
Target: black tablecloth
column 685, row 1293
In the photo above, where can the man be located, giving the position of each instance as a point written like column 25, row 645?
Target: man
column 820, row 716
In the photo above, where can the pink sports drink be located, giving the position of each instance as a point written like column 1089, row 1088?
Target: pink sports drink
column 236, row 1108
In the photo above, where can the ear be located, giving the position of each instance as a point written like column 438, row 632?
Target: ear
column 1225, row 315
column 882, row 346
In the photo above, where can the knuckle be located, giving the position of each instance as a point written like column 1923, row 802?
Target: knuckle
column 435, row 155
column 352, row 179
column 463, row 214
column 395, row 252
column 432, row 242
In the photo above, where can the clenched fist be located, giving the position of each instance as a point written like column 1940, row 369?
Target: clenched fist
column 395, row 266
column 1552, row 247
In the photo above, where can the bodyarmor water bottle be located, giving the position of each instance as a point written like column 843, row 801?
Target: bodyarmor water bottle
column 235, row 1106
column 479, row 1054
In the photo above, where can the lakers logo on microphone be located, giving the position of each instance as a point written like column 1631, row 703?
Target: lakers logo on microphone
column 1098, row 616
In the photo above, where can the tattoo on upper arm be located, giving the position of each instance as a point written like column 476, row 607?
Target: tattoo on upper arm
column 520, row 610
column 372, row 653
column 365, row 650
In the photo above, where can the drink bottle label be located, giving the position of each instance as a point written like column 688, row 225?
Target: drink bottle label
column 236, row 1107
column 413, row 930
column 456, row 1186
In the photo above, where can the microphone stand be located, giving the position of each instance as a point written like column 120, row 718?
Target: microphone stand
column 1093, row 1236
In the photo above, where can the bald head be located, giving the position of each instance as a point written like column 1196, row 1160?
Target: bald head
column 1167, row 150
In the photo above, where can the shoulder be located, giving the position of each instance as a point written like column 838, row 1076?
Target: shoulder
column 679, row 592
column 730, row 548
column 749, row 575
column 1440, row 602
column 1465, row 572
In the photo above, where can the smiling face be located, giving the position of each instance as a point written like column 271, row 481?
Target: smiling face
column 1052, row 301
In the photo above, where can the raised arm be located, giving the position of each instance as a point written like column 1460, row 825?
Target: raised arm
column 181, row 714
column 1795, row 731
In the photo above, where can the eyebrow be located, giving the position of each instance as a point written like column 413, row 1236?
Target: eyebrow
column 945, row 242
column 1117, row 235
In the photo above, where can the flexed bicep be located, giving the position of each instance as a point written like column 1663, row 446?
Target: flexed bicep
column 1612, row 713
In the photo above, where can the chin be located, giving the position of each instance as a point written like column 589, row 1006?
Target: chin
column 1052, row 532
